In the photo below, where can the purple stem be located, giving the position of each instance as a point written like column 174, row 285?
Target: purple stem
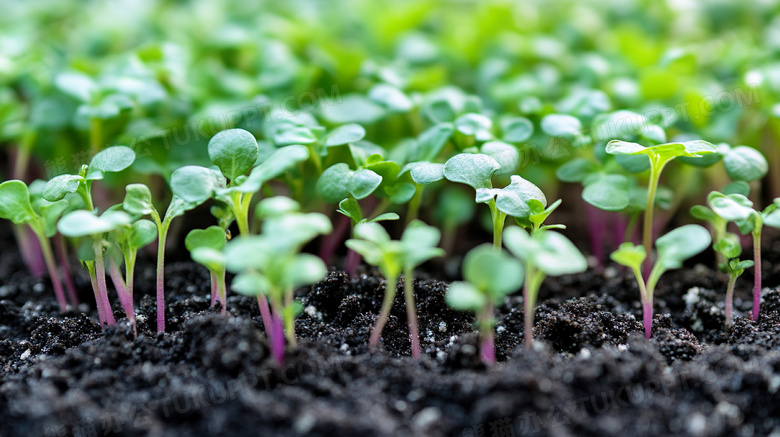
column 487, row 348
column 352, row 262
column 265, row 314
column 161, row 288
column 53, row 275
column 98, row 305
column 121, row 290
column 411, row 314
column 332, row 241
column 213, row 288
column 100, row 272
column 62, row 255
column 647, row 316
column 756, row 275
column 277, row 338
column 30, row 249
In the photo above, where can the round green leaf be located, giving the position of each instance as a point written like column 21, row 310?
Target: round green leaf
column 493, row 271
column 212, row 259
column 513, row 199
column 425, row 173
column 744, row 163
column 473, row 169
column 576, row 170
column 142, row 232
column 138, row 199
column 111, row 159
column 334, row 183
column 606, row 191
column 193, row 183
column 561, row 125
column 507, row 156
column 516, row 129
column 212, row 237
column 234, row 151
column 629, row 255
column 57, row 188
column 680, row 244
column 462, row 296
column 363, row 182
column 348, row 133
column 15, row 202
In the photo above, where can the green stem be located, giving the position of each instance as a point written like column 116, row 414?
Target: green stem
column 730, row 300
column 95, row 134
column 315, row 158
column 756, row 271
column 221, row 292
column 411, row 311
column 533, row 281
column 23, row 154
column 498, row 223
column 384, row 313
column 162, row 233
column 289, row 319
column 647, row 230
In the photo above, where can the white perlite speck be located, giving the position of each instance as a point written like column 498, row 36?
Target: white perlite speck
column 25, row 355
column 442, row 327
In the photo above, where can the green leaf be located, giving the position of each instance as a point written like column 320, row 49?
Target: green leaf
column 275, row 206
column 507, row 156
column 351, row 208
column 390, row 97
column 212, row 237
column 475, row 125
column 680, row 244
column 493, row 271
column 334, row 183
column 51, row 212
column 142, row 232
column 516, row 129
column 193, row 183
column 353, row 108
column 548, row 251
column 701, row 212
column 734, row 207
column 473, row 169
column 372, row 232
column 212, row 259
column 729, row 246
column 431, row 142
column 737, row 187
column 77, row 85
column 82, row 223
column 58, row 187
column 294, row 135
column 388, row 216
column 251, row 284
column 419, row 243
column 561, row 125
column 629, row 255
column 772, row 218
column 462, row 296
column 662, row 152
column 248, row 252
column 606, row 191
column 111, row 159
column 138, row 199
column 177, row 207
column 348, row 133
column 303, row 269
column 425, row 173
column 744, row 163
column 513, row 199
column 234, row 151
column 363, row 182
column 576, row 170
column 15, row 202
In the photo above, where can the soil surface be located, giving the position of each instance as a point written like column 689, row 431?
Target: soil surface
column 590, row 372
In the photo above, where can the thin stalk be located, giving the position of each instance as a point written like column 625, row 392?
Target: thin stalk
column 647, row 225
column 100, row 273
column 98, row 301
column 487, row 348
column 121, row 290
column 289, row 319
column 277, row 338
column 130, row 273
column 631, row 227
column 315, row 159
column 730, row 300
column 213, row 288
column 220, row 279
column 51, row 266
column 22, row 160
column 162, row 234
column 95, row 134
column 384, row 313
column 62, row 256
column 533, row 280
column 498, row 223
column 414, row 205
column 647, row 296
column 30, row 250
column 241, row 211
column 756, row 273
column 411, row 311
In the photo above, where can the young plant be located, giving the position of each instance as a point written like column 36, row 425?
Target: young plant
column 416, row 246
column 15, row 205
column 673, row 249
column 271, row 265
column 543, row 253
column 128, row 239
column 739, row 209
column 659, row 156
column 205, row 246
column 729, row 247
column 91, row 229
column 490, row 274
column 138, row 201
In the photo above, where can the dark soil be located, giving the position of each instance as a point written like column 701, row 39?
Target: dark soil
column 590, row 372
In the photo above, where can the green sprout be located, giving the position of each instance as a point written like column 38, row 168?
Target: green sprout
column 543, row 253
column 129, row 239
column 205, row 246
column 416, row 246
column 673, row 249
column 659, row 156
column 271, row 265
column 731, row 249
column 490, row 274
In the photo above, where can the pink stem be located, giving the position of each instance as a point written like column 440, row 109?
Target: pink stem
column 352, row 262
column 487, row 348
column 276, row 338
column 332, row 241
column 30, row 249
column 647, row 313
column 265, row 314
column 53, row 275
column 121, row 290
column 59, row 246
column 213, row 289
column 98, row 304
column 100, row 272
column 411, row 315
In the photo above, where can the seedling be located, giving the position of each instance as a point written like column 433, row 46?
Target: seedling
column 417, row 245
column 731, row 249
column 87, row 226
column 138, row 200
column 543, row 253
column 659, row 156
column 673, row 249
column 739, row 209
column 129, row 239
column 490, row 274
column 205, row 246
column 15, row 205
column 270, row 264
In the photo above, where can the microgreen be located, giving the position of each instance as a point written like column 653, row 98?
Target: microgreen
column 673, row 249
column 543, row 253
column 271, row 265
column 205, row 246
column 490, row 274
column 729, row 247
column 130, row 238
column 416, row 246
column 659, row 156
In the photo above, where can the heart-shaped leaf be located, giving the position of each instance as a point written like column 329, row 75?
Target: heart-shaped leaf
column 233, row 151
